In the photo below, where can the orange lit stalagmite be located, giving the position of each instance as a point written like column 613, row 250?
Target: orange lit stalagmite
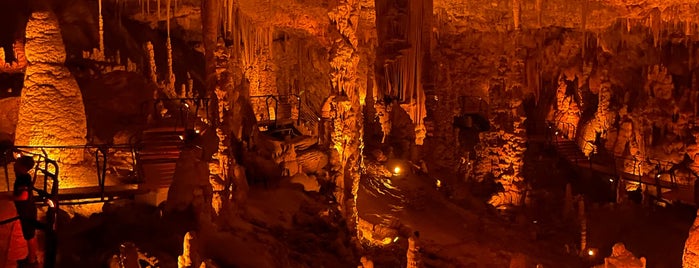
column 51, row 110
column 345, row 111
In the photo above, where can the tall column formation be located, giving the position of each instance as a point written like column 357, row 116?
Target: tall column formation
column 567, row 110
column 51, row 111
column 502, row 148
column 604, row 117
column 257, row 60
column 345, row 110
column 404, row 32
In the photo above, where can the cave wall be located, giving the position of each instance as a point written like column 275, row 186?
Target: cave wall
column 609, row 71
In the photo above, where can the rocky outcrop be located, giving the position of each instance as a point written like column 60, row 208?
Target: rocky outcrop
column 690, row 258
column 622, row 258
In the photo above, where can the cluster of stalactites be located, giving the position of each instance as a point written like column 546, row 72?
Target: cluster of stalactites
column 404, row 74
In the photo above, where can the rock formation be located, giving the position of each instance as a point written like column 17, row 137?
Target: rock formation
column 51, row 112
column 622, row 258
column 691, row 246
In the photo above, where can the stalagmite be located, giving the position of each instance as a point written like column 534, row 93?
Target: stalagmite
column 153, row 73
column 188, row 256
column 20, row 62
column 413, row 255
column 52, row 110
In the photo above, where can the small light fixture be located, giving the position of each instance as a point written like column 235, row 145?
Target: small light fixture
column 197, row 131
column 396, row 170
column 439, row 183
column 181, row 137
column 18, row 155
column 590, row 252
column 611, row 180
column 50, row 203
column 395, row 239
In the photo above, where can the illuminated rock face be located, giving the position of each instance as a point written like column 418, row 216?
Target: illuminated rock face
column 51, row 110
column 691, row 246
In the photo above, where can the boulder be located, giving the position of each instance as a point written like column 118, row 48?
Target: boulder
column 310, row 183
column 312, row 161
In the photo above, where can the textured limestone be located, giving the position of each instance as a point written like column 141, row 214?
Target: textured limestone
column 8, row 116
column 690, row 258
column 51, row 111
column 622, row 258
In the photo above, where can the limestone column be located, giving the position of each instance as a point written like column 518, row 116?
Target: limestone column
column 51, row 110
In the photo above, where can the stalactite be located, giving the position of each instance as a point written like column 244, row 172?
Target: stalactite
column 100, row 56
column 229, row 21
column 158, row 3
column 584, row 26
column 147, row 7
column 537, row 7
column 656, row 26
column 171, row 74
column 516, row 13
column 404, row 74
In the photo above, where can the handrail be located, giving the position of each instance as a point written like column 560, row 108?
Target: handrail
column 150, row 108
column 50, row 171
column 304, row 113
column 661, row 166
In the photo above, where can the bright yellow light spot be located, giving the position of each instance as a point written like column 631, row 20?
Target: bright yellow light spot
column 590, row 252
column 51, row 204
column 181, row 137
column 18, row 155
column 197, row 131
column 395, row 239
column 386, row 241
column 396, row 170
column 439, row 183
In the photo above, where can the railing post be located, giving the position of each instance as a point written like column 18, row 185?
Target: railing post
column 7, row 175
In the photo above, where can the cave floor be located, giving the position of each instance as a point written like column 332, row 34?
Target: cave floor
column 450, row 235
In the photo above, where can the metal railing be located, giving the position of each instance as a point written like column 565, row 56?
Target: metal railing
column 49, row 167
column 283, row 108
column 185, row 112
column 620, row 163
